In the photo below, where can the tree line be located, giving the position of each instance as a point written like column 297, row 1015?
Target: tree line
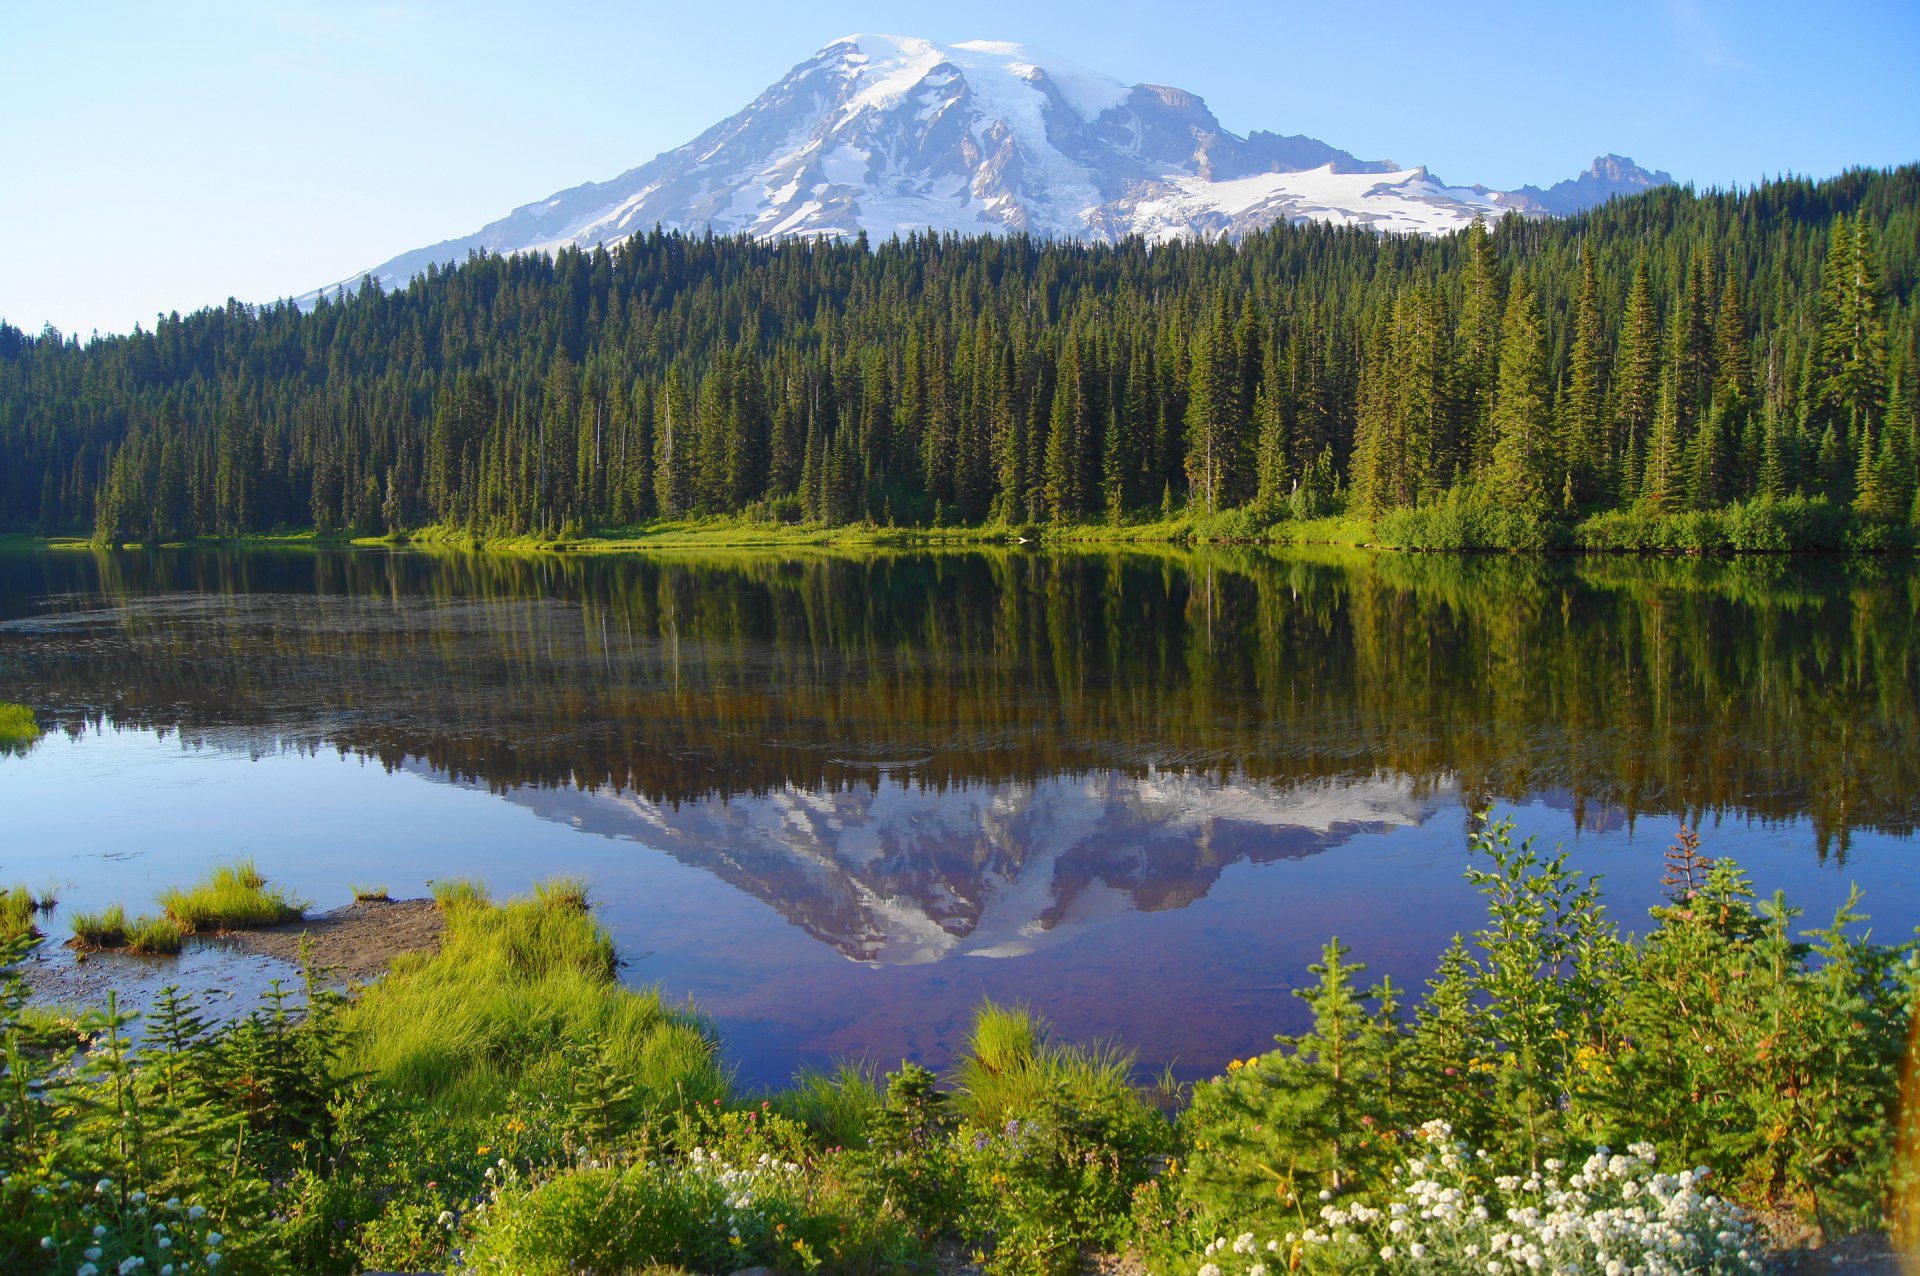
column 1671, row 351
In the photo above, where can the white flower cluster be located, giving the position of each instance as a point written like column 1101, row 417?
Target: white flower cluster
column 1616, row 1215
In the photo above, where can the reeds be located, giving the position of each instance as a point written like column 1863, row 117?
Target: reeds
column 109, row 928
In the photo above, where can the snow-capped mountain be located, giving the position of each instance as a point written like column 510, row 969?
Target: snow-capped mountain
column 886, row 135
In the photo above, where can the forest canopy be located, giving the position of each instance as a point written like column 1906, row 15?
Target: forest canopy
column 1670, row 352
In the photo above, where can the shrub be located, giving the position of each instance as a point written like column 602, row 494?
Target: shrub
column 1448, row 1212
column 1054, row 1141
column 705, row 1209
column 230, row 896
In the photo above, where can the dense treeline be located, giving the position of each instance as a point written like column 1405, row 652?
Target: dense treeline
column 1669, row 352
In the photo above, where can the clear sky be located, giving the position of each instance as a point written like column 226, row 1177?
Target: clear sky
column 169, row 156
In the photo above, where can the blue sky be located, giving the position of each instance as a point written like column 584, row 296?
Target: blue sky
column 168, row 156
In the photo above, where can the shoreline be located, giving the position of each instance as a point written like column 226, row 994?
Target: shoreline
column 719, row 534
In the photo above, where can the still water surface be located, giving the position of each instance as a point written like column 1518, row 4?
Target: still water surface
column 837, row 800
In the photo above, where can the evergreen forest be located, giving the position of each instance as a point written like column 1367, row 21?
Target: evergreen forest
column 1747, row 355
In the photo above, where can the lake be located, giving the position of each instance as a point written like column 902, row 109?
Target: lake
column 837, row 799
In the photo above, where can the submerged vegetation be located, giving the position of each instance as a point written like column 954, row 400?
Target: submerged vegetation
column 507, row 1105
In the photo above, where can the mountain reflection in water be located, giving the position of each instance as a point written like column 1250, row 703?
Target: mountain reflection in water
column 911, row 757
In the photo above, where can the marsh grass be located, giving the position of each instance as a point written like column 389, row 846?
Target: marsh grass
column 153, row 936
column 17, row 909
column 836, row 1106
column 104, row 929
column 513, row 988
column 367, row 893
column 458, row 893
column 17, row 724
column 230, row 896
column 1013, row 1067
column 563, row 891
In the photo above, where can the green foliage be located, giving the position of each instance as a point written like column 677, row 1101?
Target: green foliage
column 104, row 929
column 17, row 909
column 1604, row 362
column 18, row 729
column 838, row 1107
column 230, row 896
column 369, row 892
column 1055, row 1139
column 510, row 991
column 1320, row 1112
column 459, row 893
column 1721, row 1038
column 154, row 936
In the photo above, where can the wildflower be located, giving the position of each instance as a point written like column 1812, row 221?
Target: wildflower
column 98, row 1231
column 196, row 1213
column 103, row 1186
column 86, row 1269
column 214, row 1238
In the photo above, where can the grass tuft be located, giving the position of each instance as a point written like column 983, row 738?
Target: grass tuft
column 231, row 896
column 836, row 1106
column 564, row 890
column 16, row 914
column 366, row 893
column 155, row 936
column 17, row 725
column 1014, row 1067
column 457, row 893
column 511, row 988
column 104, row 929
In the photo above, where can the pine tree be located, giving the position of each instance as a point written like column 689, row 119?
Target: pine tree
column 1523, row 458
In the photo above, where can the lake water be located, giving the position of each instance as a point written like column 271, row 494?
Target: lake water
column 836, row 800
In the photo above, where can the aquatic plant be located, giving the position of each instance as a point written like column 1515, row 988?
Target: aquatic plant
column 369, row 893
column 17, row 909
column 230, row 896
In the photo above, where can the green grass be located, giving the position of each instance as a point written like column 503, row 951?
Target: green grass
column 458, row 893
column 836, row 1107
column 562, row 891
column 231, row 896
column 369, row 893
column 104, row 929
column 17, row 726
column 1013, row 1067
column 153, row 936
column 513, row 988
column 16, row 914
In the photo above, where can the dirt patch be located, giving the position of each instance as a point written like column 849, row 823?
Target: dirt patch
column 358, row 941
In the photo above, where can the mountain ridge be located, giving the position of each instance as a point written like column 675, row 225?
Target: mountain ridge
column 882, row 135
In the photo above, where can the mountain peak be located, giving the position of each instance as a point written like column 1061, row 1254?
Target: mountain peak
column 885, row 134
